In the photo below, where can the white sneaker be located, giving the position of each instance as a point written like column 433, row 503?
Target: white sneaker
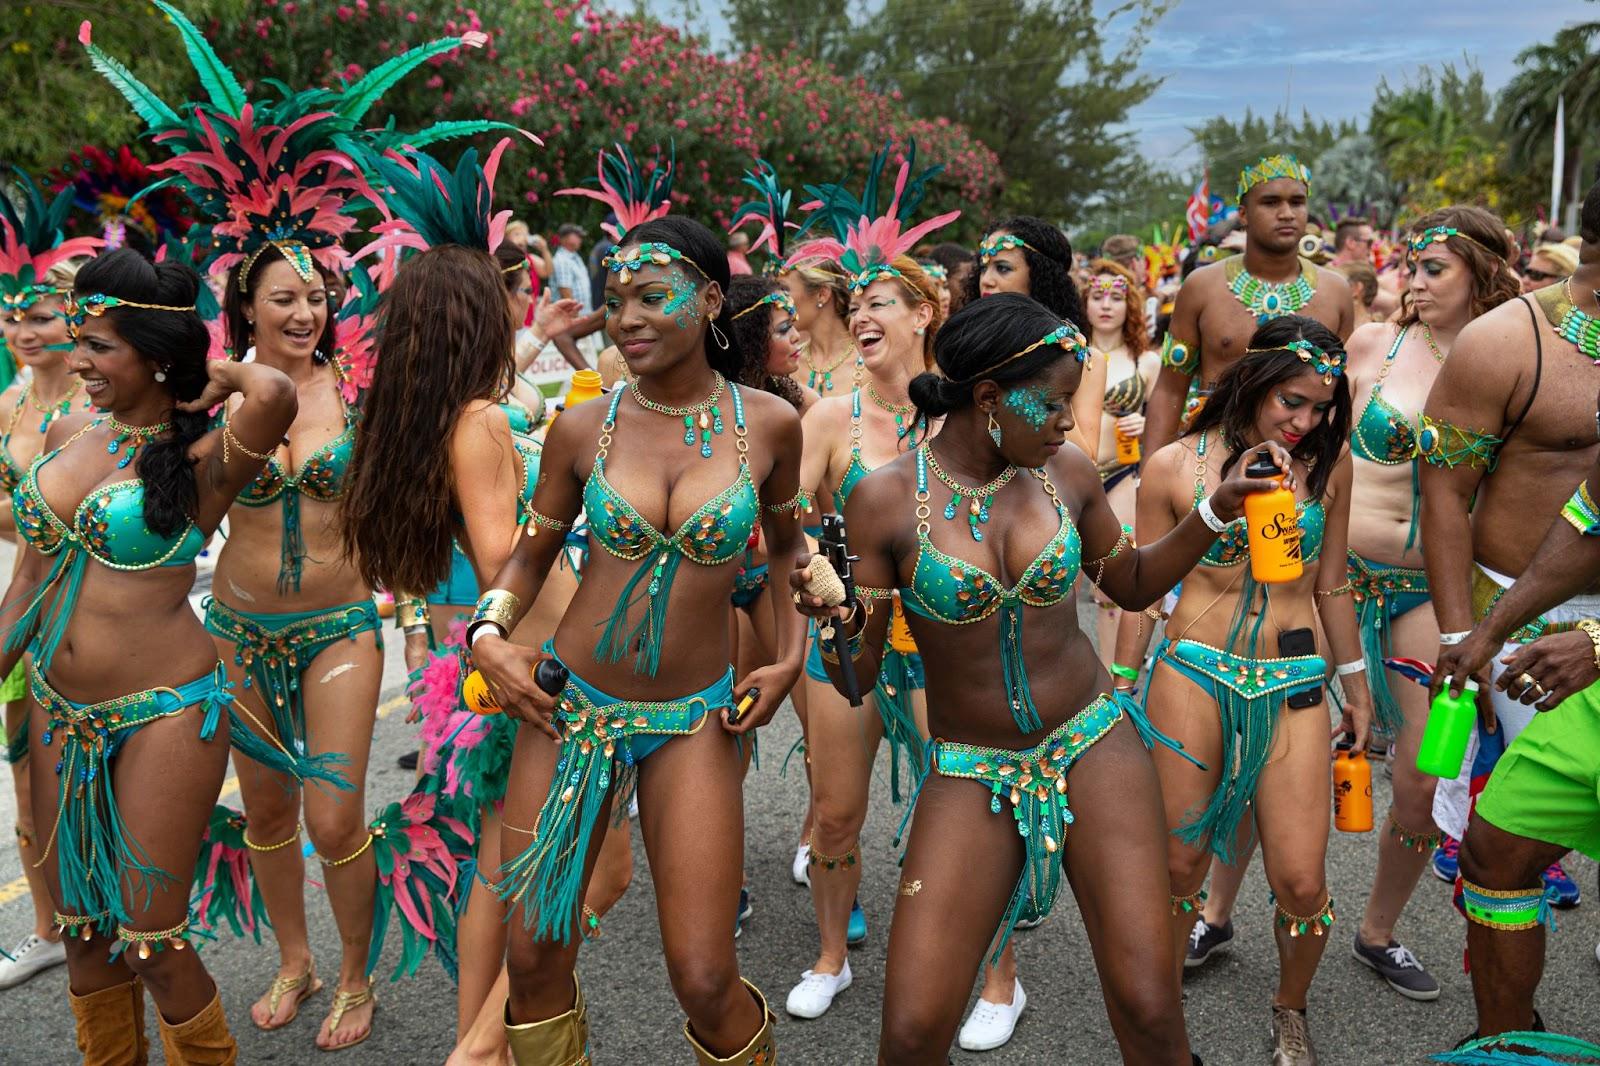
column 812, row 997
column 1597, row 953
column 31, row 955
column 991, row 1024
column 801, row 871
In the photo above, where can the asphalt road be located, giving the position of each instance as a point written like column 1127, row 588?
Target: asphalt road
column 1355, row 1018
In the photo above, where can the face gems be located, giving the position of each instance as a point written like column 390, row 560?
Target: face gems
column 681, row 302
column 1027, row 403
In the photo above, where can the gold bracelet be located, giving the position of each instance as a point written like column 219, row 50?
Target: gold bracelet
column 411, row 611
column 1591, row 629
column 1337, row 590
column 499, row 606
column 537, row 521
column 228, row 438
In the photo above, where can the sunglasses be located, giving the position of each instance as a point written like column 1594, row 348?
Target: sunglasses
column 1539, row 275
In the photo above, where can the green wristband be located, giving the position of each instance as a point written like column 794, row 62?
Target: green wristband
column 1126, row 672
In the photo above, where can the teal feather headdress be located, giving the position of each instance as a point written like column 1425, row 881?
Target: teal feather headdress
column 866, row 243
column 272, row 173
column 32, row 240
column 771, row 210
column 429, row 205
column 634, row 195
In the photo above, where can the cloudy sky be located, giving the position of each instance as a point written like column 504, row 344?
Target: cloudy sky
column 1222, row 58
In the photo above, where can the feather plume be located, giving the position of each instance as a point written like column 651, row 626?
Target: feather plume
column 771, row 211
column 863, row 238
column 227, row 95
column 633, row 194
column 32, row 240
column 1523, row 1049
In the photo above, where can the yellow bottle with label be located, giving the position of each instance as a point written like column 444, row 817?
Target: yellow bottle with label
column 1273, row 520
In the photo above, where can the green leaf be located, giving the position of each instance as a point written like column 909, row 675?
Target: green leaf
column 219, row 82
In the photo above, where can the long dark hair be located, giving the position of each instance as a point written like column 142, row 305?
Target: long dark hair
column 979, row 336
column 234, row 301
column 711, row 259
column 176, row 343
column 1236, row 401
column 752, row 333
column 1049, row 258
column 512, row 261
column 444, row 339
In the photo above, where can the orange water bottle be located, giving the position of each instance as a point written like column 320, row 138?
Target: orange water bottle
column 1127, row 447
column 900, row 638
column 1352, row 791
column 1273, row 521
column 585, row 386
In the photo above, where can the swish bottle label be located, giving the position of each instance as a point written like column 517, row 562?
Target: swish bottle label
column 1273, row 520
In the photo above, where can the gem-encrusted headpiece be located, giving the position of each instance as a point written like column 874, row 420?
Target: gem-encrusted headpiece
column 989, row 249
column 1064, row 335
column 75, row 308
column 31, row 244
column 866, row 243
column 1329, row 364
column 780, row 299
column 1270, row 167
column 1107, row 284
column 650, row 253
column 1420, row 242
column 935, row 271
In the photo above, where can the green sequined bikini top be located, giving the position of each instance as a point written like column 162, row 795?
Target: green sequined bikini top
column 1381, row 423
column 320, row 477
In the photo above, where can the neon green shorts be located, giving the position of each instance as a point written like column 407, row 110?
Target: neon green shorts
column 16, row 686
column 1547, row 785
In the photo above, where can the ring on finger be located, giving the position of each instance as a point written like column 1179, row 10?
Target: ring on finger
column 797, row 597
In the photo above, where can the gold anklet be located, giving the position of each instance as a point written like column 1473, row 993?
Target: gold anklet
column 832, row 862
column 253, row 846
column 161, row 938
column 1298, row 926
column 1189, row 904
column 1418, row 842
column 352, row 857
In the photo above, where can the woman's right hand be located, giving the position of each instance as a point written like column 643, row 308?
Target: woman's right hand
column 1228, row 499
column 508, row 668
column 804, row 602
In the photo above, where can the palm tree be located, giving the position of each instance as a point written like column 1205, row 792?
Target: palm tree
column 1568, row 66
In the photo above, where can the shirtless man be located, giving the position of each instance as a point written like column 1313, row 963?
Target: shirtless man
column 1509, row 424
column 1220, row 305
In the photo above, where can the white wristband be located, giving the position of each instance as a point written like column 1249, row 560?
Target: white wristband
column 482, row 628
column 1346, row 669
column 1209, row 516
column 1448, row 639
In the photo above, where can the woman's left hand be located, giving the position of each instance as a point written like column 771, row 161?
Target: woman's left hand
column 556, row 316
column 774, row 681
column 221, row 382
column 1228, row 500
column 1131, row 425
column 1356, row 721
column 1558, row 666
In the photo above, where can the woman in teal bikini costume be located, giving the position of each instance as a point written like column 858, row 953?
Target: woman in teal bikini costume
column 131, row 696
column 36, row 335
column 893, row 319
column 682, row 448
column 1221, row 681
column 1020, row 707
column 1453, row 281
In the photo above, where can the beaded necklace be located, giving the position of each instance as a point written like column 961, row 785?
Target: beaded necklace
column 899, row 410
column 51, row 412
column 705, row 415
column 979, row 499
column 1427, row 335
column 1579, row 327
column 827, row 371
column 137, row 435
column 1268, row 300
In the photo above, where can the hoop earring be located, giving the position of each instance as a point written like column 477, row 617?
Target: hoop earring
column 994, row 430
column 720, row 337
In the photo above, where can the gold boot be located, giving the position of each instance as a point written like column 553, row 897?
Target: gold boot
column 203, row 1040
column 761, row 1051
column 559, row 1041
column 111, row 1025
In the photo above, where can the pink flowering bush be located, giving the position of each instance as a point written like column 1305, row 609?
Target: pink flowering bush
column 582, row 78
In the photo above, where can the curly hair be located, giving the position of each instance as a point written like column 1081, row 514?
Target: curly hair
column 444, row 339
column 1235, row 403
column 175, row 342
column 1134, row 333
column 234, row 301
column 1049, row 257
column 753, row 331
column 1488, row 256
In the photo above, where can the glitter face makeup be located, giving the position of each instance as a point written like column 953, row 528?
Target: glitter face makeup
column 1027, row 403
column 681, row 293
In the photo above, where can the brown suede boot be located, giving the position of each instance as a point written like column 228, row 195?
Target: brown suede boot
column 559, row 1041
column 203, row 1040
column 761, row 1051
column 111, row 1025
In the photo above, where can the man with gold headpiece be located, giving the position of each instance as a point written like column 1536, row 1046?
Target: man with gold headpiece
column 1221, row 305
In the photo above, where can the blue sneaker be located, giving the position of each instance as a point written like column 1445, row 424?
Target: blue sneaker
column 1447, row 859
column 855, row 933
column 745, row 911
column 1563, row 890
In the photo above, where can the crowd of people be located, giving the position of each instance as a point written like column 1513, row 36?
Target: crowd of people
column 603, row 599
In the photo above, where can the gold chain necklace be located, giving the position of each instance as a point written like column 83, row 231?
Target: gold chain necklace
column 826, row 371
column 899, row 410
column 705, row 415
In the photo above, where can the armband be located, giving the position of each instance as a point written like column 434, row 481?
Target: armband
column 411, row 613
column 497, row 607
column 1178, row 356
column 1443, row 444
column 797, row 504
column 1208, row 515
column 1581, row 512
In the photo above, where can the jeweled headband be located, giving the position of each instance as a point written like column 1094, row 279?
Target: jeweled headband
column 14, row 304
column 989, row 249
column 1329, row 364
column 1102, row 284
column 1063, row 335
column 75, row 308
column 296, row 254
column 935, row 271
column 1273, row 166
column 1440, row 234
column 859, row 282
column 650, row 253
column 781, row 300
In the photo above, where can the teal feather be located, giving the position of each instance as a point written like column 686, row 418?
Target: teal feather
column 460, row 217
column 145, row 103
column 1523, row 1049
column 358, row 99
column 219, row 82
column 446, row 131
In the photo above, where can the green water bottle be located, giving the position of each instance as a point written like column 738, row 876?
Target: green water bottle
column 1444, row 739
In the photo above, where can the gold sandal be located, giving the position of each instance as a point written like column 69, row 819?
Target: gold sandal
column 304, row 987
column 342, row 1002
